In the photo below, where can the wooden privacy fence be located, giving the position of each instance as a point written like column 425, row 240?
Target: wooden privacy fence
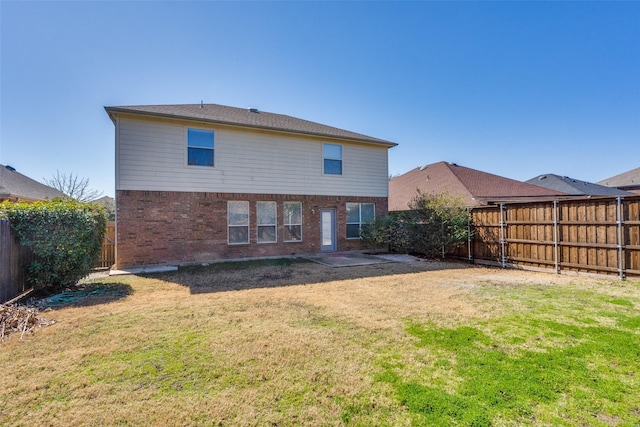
column 591, row 235
column 108, row 254
column 14, row 260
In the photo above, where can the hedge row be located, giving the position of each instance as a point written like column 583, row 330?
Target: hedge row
column 65, row 237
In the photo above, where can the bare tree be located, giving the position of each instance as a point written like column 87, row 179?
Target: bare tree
column 73, row 186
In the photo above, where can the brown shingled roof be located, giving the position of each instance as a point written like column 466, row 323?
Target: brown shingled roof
column 244, row 117
column 475, row 187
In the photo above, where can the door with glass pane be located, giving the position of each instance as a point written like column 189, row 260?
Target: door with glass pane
column 328, row 230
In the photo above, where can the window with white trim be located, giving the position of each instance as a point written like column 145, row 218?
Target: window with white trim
column 200, row 147
column 332, row 159
column 238, row 222
column 292, row 221
column 267, row 222
column 358, row 216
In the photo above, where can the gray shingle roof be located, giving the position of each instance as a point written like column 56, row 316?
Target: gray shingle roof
column 575, row 187
column 626, row 179
column 14, row 185
column 252, row 118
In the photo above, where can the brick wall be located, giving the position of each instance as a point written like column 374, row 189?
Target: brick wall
column 155, row 227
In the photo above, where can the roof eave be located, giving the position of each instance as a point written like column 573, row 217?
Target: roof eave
column 109, row 113
column 526, row 199
column 18, row 198
column 111, row 110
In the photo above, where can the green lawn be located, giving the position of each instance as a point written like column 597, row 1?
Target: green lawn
column 417, row 347
column 572, row 359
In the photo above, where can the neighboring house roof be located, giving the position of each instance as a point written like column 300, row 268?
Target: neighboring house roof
column 103, row 200
column 629, row 181
column 106, row 201
column 475, row 187
column 15, row 186
column 109, row 203
column 575, row 187
column 244, row 117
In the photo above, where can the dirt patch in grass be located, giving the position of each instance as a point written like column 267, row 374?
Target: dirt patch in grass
column 232, row 276
column 285, row 272
column 373, row 296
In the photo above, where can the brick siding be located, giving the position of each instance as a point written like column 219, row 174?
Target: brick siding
column 159, row 227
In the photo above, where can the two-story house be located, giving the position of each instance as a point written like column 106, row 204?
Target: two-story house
column 204, row 182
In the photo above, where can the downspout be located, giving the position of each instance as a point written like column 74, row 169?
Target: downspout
column 117, row 182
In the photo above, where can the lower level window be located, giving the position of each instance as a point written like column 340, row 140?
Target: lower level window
column 358, row 216
column 292, row 219
column 238, row 222
column 267, row 222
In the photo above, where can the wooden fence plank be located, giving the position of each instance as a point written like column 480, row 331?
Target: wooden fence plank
column 108, row 254
column 14, row 260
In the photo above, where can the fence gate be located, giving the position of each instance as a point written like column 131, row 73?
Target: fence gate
column 108, row 255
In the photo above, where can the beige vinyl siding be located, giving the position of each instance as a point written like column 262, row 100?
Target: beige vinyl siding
column 151, row 155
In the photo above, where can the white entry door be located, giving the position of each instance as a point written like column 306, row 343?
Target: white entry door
column 328, row 230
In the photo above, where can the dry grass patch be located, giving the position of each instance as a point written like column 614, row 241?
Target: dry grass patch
column 287, row 344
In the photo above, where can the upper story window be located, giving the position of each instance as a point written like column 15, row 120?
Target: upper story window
column 200, row 147
column 332, row 155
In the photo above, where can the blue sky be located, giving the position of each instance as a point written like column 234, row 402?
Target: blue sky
column 511, row 88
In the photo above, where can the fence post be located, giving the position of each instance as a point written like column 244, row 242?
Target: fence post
column 502, row 237
column 556, row 257
column 620, row 242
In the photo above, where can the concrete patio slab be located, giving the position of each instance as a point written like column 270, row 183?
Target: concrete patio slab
column 351, row 259
column 399, row 257
column 144, row 270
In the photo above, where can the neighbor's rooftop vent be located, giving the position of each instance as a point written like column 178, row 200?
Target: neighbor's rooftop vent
column 11, row 168
column 253, row 110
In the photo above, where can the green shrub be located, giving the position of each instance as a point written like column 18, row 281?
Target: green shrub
column 65, row 237
column 375, row 235
column 434, row 225
column 400, row 232
column 387, row 233
column 439, row 223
